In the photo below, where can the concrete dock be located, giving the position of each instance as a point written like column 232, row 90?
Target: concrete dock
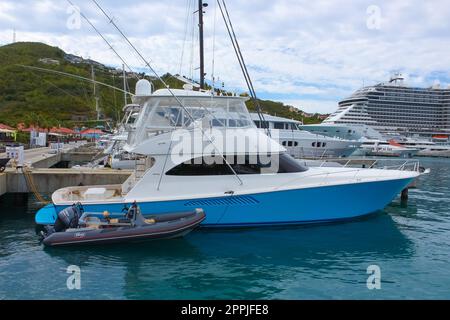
column 47, row 158
column 38, row 162
column 3, row 188
column 50, row 180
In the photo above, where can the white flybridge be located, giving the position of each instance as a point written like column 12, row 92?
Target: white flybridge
column 185, row 137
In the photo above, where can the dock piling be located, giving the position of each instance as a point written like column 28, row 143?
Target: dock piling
column 405, row 195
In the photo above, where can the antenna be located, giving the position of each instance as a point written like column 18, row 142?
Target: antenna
column 14, row 35
column 240, row 57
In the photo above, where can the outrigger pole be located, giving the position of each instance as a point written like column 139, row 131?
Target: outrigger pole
column 240, row 57
column 201, row 5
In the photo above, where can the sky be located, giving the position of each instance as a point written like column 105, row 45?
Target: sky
column 309, row 54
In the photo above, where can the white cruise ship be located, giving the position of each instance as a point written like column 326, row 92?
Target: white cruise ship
column 395, row 107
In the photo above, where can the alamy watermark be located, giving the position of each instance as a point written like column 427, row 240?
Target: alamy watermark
column 74, row 280
column 206, row 147
column 374, row 18
column 74, row 20
column 374, row 279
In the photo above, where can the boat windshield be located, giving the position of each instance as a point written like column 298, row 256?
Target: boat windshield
column 164, row 114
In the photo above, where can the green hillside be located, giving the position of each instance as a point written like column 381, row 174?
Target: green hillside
column 281, row 110
column 46, row 99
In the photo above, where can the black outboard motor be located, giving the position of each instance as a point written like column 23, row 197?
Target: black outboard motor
column 132, row 213
column 68, row 218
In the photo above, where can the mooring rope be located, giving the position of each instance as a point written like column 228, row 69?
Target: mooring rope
column 32, row 186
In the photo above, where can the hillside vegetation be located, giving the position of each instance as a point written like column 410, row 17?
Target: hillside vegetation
column 45, row 99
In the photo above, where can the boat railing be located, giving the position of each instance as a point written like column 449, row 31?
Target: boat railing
column 323, row 154
column 328, row 177
column 386, row 164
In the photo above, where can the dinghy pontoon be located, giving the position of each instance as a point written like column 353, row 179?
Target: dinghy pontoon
column 75, row 228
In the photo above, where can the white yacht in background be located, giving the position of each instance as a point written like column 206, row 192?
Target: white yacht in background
column 384, row 148
column 302, row 144
column 373, row 143
column 119, row 158
column 343, row 131
column 426, row 148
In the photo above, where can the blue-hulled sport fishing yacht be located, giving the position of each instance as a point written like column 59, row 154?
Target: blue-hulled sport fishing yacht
column 183, row 168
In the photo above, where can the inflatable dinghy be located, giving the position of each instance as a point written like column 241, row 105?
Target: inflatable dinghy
column 73, row 227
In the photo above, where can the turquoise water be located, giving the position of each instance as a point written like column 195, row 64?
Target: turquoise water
column 410, row 244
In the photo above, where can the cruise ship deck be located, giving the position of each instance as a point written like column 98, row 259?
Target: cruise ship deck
column 396, row 107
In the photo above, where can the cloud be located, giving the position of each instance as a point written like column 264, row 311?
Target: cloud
column 5, row 12
column 312, row 53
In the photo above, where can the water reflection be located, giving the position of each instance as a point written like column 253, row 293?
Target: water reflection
column 241, row 263
column 410, row 243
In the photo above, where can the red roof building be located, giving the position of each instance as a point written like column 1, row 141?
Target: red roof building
column 64, row 131
column 34, row 129
column 91, row 132
column 6, row 127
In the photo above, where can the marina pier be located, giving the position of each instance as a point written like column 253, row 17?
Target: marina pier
column 39, row 173
column 47, row 157
column 3, row 184
column 50, row 180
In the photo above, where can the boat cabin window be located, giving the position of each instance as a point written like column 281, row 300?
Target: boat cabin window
column 290, row 143
column 218, row 123
column 242, row 165
column 262, row 125
column 295, row 127
column 278, row 125
column 131, row 120
column 319, row 144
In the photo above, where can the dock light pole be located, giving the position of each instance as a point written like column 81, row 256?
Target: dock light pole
column 201, row 5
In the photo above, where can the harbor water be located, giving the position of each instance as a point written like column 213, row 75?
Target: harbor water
column 410, row 244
